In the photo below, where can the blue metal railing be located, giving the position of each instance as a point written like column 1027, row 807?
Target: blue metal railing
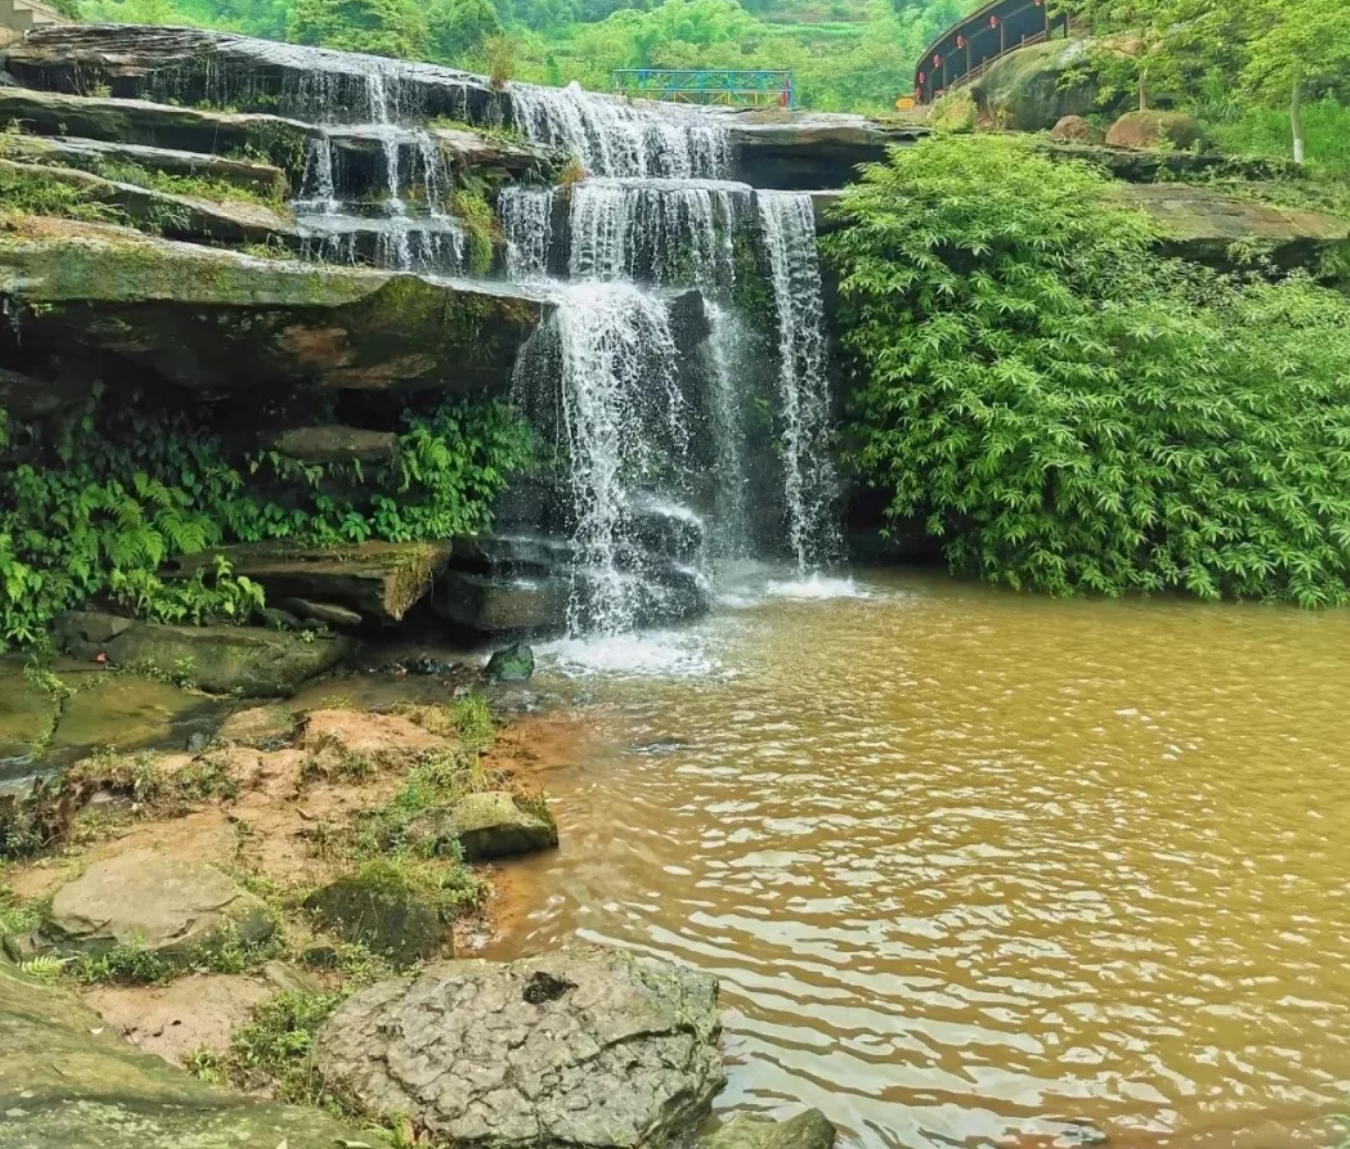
column 756, row 88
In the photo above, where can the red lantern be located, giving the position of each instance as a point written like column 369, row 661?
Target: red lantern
column 993, row 21
column 937, row 61
column 960, row 41
column 923, row 77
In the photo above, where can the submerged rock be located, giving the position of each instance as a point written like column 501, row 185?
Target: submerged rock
column 493, row 824
column 588, row 1049
column 168, row 906
column 259, row 727
column 512, row 664
column 809, row 1130
column 219, row 321
column 71, row 1083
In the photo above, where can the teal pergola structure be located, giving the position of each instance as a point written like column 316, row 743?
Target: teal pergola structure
column 743, row 88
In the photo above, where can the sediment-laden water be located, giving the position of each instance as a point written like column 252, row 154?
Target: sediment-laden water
column 972, row 866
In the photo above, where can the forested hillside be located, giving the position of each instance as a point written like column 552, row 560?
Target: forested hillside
column 846, row 54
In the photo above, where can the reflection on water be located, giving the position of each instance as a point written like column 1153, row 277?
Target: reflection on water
column 973, row 866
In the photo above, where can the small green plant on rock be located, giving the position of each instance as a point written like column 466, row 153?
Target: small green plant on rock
column 275, row 1051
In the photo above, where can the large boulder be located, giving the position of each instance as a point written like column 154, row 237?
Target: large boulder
column 1076, row 130
column 221, row 322
column 1174, row 131
column 493, row 824
column 379, row 581
column 247, row 660
column 168, row 906
column 1032, row 89
column 1201, row 224
column 809, row 1130
column 71, row 1083
column 584, row 1049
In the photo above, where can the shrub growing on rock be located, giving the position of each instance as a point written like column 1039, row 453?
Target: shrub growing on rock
column 1070, row 412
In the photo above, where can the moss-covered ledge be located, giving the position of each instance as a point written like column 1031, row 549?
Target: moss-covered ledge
column 219, row 321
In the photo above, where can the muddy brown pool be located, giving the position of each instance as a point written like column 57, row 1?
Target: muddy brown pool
column 973, row 867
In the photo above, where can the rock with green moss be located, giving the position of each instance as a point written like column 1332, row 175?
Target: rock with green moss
column 146, row 901
column 252, row 661
column 219, row 321
column 284, row 142
column 70, row 1082
column 255, row 177
column 187, row 217
column 1032, row 89
column 259, row 727
column 379, row 581
column 513, row 663
column 1201, row 224
column 493, row 824
column 387, row 908
column 809, row 1130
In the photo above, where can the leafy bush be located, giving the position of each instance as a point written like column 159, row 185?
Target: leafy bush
column 99, row 498
column 1072, row 413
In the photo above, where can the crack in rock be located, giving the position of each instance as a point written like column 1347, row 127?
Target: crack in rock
column 578, row 1049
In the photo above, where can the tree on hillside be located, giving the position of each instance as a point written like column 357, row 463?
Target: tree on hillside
column 1154, row 46
column 1290, row 44
column 382, row 27
column 459, row 27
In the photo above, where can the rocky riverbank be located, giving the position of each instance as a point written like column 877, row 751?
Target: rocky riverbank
column 248, row 942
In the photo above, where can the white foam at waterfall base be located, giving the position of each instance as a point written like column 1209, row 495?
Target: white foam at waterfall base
column 613, row 137
column 787, row 220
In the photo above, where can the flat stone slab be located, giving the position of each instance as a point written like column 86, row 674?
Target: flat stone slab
column 146, row 899
column 583, row 1048
column 788, row 150
column 1202, row 224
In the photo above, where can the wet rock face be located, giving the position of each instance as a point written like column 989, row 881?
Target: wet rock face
column 489, row 825
column 218, row 322
column 809, row 1130
column 583, row 1048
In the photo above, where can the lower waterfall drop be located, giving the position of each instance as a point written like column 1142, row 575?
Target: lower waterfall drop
column 787, row 220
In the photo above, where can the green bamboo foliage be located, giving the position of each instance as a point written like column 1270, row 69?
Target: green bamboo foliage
column 1071, row 413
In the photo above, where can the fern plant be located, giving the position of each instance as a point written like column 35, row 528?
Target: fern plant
column 1070, row 412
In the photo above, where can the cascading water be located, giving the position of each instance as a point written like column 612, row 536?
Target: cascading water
column 787, row 220
column 526, row 216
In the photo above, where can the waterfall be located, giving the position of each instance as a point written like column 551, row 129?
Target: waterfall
column 318, row 186
column 612, row 137
column 661, row 230
column 526, row 216
column 788, row 223
column 726, row 369
column 627, row 434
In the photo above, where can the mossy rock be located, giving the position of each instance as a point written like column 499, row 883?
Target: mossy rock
column 72, row 1083
column 511, row 664
column 218, row 321
column 383, row 908
column 494, row 824
column 1032, row 89
column 809, row 1130
column 245, row 660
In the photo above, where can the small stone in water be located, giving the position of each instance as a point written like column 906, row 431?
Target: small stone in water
column 513, row 664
